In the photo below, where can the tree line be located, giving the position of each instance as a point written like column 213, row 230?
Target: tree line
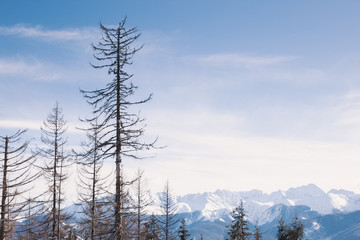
column 239, row 229
column 113, row 133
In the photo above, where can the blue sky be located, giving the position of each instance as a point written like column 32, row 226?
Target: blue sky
column 247, row 94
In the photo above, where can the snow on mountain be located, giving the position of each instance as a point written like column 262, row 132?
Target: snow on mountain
column 344, row 201
column 215, row 205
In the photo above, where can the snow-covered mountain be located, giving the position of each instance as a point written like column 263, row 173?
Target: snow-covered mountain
column 326, row 215
column 213, row 205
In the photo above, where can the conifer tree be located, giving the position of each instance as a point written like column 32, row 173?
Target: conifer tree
column 296, row 229
column 257, row 233
column 152, row 230
column 120, row 129
column 282, row 230
column 239, row 228
column 183, row 232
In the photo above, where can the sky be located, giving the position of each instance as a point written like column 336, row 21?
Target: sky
column 246, row 94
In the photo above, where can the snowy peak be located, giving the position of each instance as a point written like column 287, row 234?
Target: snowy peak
column 214, row 205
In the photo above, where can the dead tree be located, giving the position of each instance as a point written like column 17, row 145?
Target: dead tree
column 54, row 169
column 93, row 187
column 17, row 178
column 168, row 218
column 141, row 198
column 121, row 130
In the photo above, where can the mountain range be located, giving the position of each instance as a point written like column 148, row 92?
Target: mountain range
column 327, row 215
column 332, row 215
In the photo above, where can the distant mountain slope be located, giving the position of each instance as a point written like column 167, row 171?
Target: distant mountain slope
column 339, row 226
column 333, row 215
column 213, row 204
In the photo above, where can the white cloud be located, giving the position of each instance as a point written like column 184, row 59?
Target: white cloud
column 32, row 69
column 40, row 33
column 20, row 124
column 33, row 125
column 8, row 66
column 240, row 60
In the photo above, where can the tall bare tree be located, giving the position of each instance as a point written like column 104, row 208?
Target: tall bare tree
column 54, row 168
column 168, row 219
column 17, row 178
column 93, row 187
column 141, row 200
column 121, row 130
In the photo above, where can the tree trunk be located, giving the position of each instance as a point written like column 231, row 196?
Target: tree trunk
column 4, row 191
column 118, row 197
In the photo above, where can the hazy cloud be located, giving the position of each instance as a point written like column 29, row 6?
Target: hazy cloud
column 40, row 33
column 33, row 70
column 240, row 60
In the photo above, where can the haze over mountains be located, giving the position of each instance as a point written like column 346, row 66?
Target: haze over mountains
column 327, row 215
column 332, row 215
column 211, row 204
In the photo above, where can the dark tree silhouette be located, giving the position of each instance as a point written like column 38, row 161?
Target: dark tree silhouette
column 120, row 130
column 183, row 232
column 152, row 229
column 239, row 228
column 295, row 231
column 257, row 233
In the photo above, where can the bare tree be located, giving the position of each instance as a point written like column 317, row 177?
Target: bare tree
column 168, row 218
column 141, row 201
column 17, row 178
column 93, row 187
column 54, row 168
column 120, row 130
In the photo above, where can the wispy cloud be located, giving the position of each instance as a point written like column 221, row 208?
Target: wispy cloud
column 39, row 32
column 32, row 125
column 240, row 60
column 10, row 66
column 34, row 70
column 20, row 124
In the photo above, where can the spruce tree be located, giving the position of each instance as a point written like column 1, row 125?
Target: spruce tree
column 296, row 229
column 183, row 232
column 282, row 230
column 151, row 229
column 239, row 228
column 257, row 233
